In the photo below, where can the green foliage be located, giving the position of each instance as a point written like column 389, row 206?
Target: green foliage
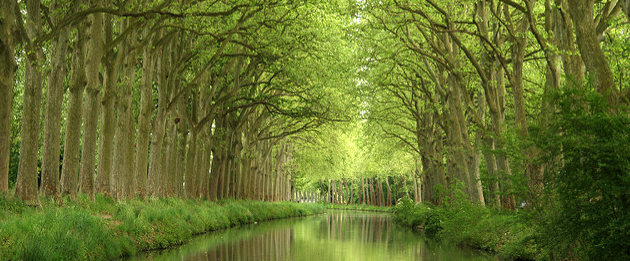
column 425, row 216
column 589, row 211
column 507, row 234
column 332, row 154
column 105, row 230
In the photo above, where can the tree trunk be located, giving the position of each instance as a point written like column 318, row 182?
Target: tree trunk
column 351, row 201
column 476, row 172
column 497, row 111
column 156, row 165
column 381, row 193
column 52, row 123
column 342, row 192
column 26, row 186
column 8, row 68
column 370, row 191
column 171, row 160
column 108, row 123
column 144, row 125
column 71, row 149
column 111, row 67
column 593, row 56
column 389, row 192
column 190, row 165
column 205, row 170
column 90, row 117
column 458, row 165
column 123, row 147
column 183, row 140
column 214, row 174
column 329, row 194
column 363, row 192
column 417, row 188
column 563, row 36
column 247, row 176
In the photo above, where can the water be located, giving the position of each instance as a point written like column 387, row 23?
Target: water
column 335, row 236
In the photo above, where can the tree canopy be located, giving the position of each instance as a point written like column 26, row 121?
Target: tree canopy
column 260, row 99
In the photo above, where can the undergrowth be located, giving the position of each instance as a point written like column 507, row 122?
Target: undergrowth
column 103, row 229
column 507, row 234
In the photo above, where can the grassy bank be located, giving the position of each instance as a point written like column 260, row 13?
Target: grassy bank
column 104, row 229
column 507, row 234
column 359, row 207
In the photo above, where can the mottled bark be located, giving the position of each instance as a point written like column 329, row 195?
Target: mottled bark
column 626, row 8
column 479, row 135
column 52, row 122
column 164, row 84
column 71, row 148
column 457, row 163
column 181, row 162
column 431, row 158
column 190, row 165
column 144, row 124
column 268, row 168
column 8, row 67
column 214, row 172
column 90, row 116
column 565, row 40
column 168, row 177
column 593, row 56
column 203, row 175
column 123, row 167
column 7, row 71
column 108, row 122
column 159, row 123
column 26, row 186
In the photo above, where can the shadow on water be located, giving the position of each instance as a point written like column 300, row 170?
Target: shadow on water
column 335, row 236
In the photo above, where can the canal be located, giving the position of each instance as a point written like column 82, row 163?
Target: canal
column 335, row 236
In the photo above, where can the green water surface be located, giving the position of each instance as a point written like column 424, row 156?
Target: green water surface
column 335, row 236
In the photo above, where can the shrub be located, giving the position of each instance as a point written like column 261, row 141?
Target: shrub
column 507, row 234
column 589, row 210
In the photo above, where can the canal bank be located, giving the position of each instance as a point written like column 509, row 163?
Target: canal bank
column 507, row 234
column 103, row 229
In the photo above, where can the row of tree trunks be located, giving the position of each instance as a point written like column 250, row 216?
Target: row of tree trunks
column 307, row 197
column 371, row 191
column 445, row 145
column 210, row 131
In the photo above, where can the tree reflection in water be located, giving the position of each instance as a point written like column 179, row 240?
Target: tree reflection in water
column 339, row 235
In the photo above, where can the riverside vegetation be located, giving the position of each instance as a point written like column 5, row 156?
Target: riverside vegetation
column 571, row 221
column 464, row 105
column 104, row 229
column 509, row 235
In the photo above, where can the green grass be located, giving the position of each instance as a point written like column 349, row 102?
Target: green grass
column 360, row 207
column 509, row 235
column 104, row 229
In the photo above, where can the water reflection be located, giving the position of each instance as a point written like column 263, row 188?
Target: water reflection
column 339, row 235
